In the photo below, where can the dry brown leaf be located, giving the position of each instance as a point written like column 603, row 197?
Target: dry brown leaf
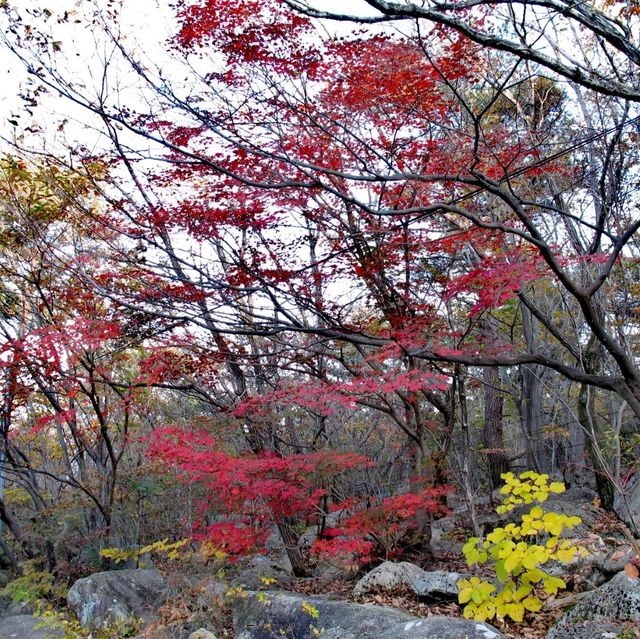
column 631, row 570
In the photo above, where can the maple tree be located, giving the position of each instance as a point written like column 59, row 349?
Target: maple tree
column 535, row 31
column 75, row 384
column 247, row 494
column 358, row 221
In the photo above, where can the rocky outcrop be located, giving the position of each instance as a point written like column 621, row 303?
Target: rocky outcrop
column 274, row 614
column 389, row 576
column 27, row 627
column 598, row 629
column 628, row 507
column 437, row 584
column 573, row 502
column 114, row 597
column 609, row 608
column 201, row 633
column 261, row 571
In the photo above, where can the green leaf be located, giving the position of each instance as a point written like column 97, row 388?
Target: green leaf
column 501, row 572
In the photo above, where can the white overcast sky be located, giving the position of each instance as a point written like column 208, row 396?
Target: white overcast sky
column 145, row 24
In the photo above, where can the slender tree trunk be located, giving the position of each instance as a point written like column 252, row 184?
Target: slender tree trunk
column 531, row 403
column 467, row 480
column 497, row 459
column 594, row 432
column 16, row 531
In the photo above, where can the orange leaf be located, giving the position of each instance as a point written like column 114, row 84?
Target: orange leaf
column 632, row 571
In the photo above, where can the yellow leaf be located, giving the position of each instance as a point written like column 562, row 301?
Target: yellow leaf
column 552, row 584
column 552, row 542
column 536, row 512
column 511, row 562
column 497, row 535
column 532, row 603
column 485, row 611
column 516, row 612
column 470, row 611
column 566, row 555
column 556, row 487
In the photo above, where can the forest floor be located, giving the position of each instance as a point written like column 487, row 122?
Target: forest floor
column 535, row 625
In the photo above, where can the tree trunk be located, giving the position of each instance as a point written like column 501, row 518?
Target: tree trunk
column 467, row 481
column 16, row 531
column 497, row 460
column 592, row 361
column 290, row 539
column 531, row 405
column 604, row 484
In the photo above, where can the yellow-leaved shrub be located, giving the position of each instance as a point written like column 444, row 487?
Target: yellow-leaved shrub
column 518, row 552
column 171, row 550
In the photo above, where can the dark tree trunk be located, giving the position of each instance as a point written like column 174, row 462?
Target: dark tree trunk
column 497, row 459
column 290, row 539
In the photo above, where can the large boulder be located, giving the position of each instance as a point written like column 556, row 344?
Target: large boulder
column 261, row 571
column 615, row 604
column 389, row 576
column 437, row 584
column 27, row 627
column 575, row 501
column 15, row 608
column 107, row 598
column 274, row 614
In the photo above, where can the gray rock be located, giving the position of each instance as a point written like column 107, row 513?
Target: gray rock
column 615, row 602
column 115, row 596
column 615, row 561
column 201, row 633
column 600, row 564
column 274, row 614
column 590, row 630
column 444, row 550
column 273, row 542
column 306, row 539
column 132, row 563
column 259, row 569
column 18, row 608
column 575, row 501
column 628, row 509
column 388, row 576
column 211, row 593
column 24, row 627
column 436, row 584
